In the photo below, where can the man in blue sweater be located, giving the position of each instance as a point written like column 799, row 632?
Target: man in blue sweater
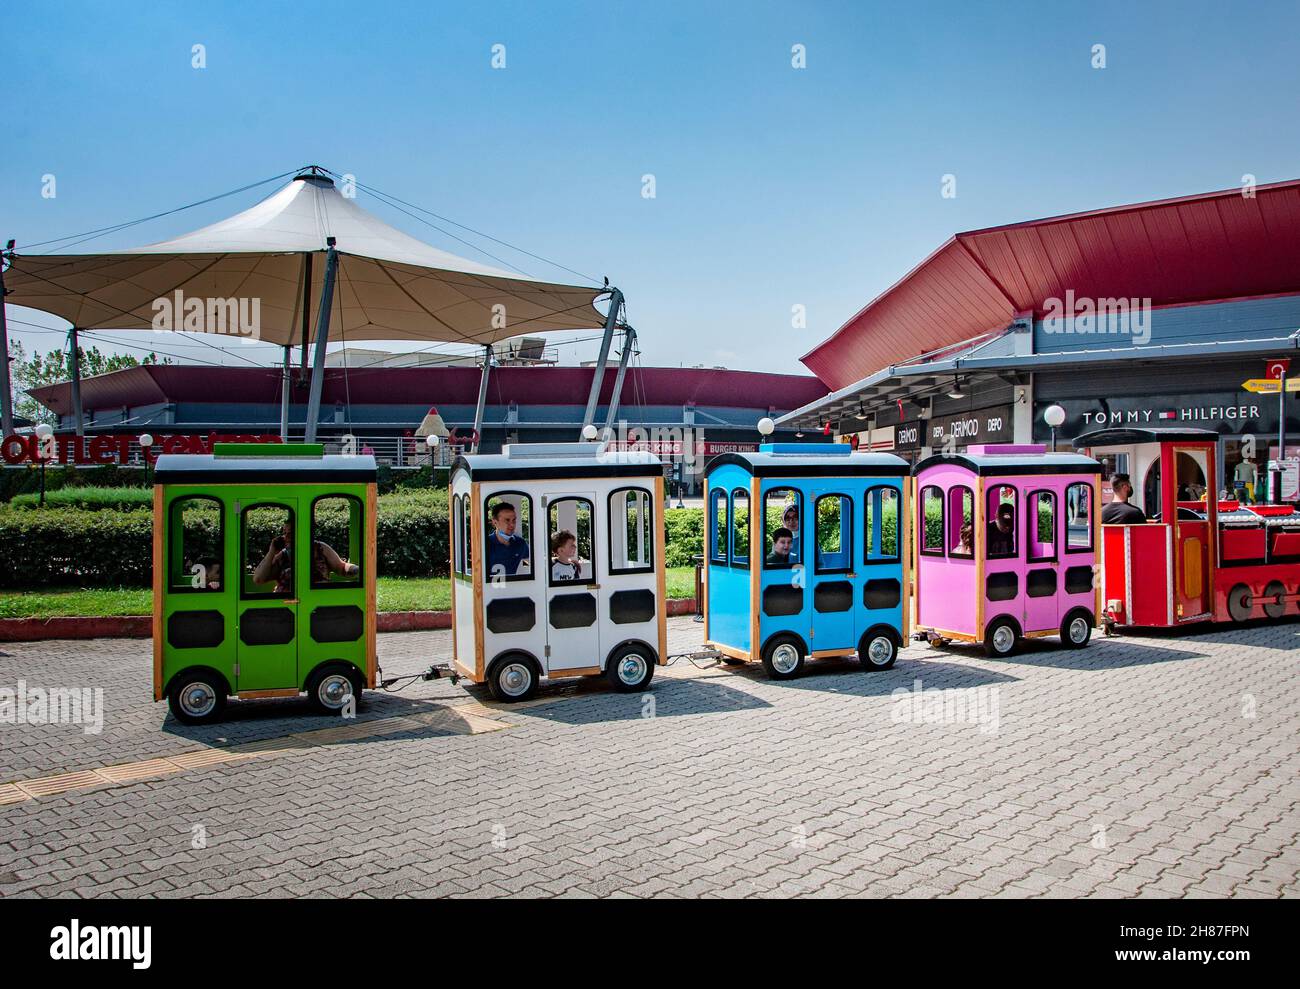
column 505, row 550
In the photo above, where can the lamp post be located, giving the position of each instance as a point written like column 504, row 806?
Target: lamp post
column 43, row 436
column 146, row 441
column 766, row 427
column 431, row 442
column 1054, row 416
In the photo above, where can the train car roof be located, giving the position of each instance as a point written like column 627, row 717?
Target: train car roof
column 1123, row 436
column 216, row 468
column 812, row 460
column 1010, row 460
column 558, row 460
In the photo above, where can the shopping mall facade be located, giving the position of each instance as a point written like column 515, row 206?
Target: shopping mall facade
column 685, row 415
column 1161, row 313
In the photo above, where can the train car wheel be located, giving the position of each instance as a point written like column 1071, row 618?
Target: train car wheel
column 1001, row 638
column 878, row 649
column 196, row 697
column 513, row 678
column 1275, row 599
column 783, row 657
column 331, row 684
column 630, row 668
column 1076, row 630
column 1239, row 603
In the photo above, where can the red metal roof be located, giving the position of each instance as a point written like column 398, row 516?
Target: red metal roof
column 432, row 386
column 1204, row 248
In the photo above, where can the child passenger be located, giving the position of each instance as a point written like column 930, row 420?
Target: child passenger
column 565, row 564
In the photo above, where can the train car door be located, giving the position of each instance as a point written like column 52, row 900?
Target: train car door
column 627, row 585
column 881, row 568
column 274, row 548
column 1188, row 482
column 1000, row 534
column 1042, row 556
column 832, row 579
column 572, row 588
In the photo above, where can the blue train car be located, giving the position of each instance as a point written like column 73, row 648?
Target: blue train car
column 806, row 556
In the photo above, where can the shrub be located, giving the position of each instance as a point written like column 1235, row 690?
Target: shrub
column 88, row 498
column 684, row 535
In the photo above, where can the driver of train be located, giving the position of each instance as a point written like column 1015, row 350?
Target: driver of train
column 505, row 550
column 1120, row 511
column 1002, row 532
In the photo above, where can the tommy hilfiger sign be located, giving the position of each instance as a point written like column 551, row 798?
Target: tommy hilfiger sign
column 1149, row 416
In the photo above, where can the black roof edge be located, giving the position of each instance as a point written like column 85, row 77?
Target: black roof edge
column 1117, row 435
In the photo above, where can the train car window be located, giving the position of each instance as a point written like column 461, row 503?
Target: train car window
column 781, row 535
column 1190, row 485
column 931, row 521
column 268, row 547
column 739, row 528
column 569, row 536
column 631, row 531
column 197, row 551
column 336, row 535
column 882, row 508
column 1078, row 518
column 833, row 518
column 508, row 524
column 466, row 541
column 1000, row 523
column 1041, row 518
column 961, row 522
column 457, row 536
column 718, row 526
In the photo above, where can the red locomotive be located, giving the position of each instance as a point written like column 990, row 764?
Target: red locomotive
column 1197, row 558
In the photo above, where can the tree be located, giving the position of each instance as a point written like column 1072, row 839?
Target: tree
column 54, row 368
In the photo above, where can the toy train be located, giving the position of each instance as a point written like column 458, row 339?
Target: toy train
column 264, row 560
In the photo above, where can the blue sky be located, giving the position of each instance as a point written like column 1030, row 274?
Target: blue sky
column 775, row 186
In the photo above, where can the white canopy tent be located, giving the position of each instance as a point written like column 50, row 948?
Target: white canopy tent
column 255, row 274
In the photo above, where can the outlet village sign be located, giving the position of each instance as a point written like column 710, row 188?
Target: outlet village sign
column 19, row 449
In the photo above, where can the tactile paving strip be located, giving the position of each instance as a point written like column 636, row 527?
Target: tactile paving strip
column 444, row 721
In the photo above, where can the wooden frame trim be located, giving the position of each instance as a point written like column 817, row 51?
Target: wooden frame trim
column 158, row 566
column 830, row 653
column 704, row 573
column 1098, row 562
column 464, row 671
column 371, row 554
column 577, row 671
column 451, row 556
column 904, row 534
column 730, row 651
column 756, row 514
column 661, row 576
column 273, row 692
column 980, row 538
column 476, row 564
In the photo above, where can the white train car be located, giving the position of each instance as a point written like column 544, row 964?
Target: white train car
column 557, row 554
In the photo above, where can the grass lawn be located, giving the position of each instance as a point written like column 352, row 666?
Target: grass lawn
column 393, row 593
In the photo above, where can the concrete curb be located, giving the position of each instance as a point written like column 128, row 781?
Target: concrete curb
column 141, row 626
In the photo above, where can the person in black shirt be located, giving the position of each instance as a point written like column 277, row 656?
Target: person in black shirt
column 1119, row 511
column 1001, row 533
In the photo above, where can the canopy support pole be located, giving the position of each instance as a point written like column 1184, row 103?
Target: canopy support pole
column 629, row 344
column 593, row 399
column 6, row 392
column 306, row 312
column 322, row 337
column 286, row 385
column 74, row 359
column 482, row 397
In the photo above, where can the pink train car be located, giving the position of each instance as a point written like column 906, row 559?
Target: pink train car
column 1006, row 546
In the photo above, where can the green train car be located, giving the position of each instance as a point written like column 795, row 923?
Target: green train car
column 232, row 615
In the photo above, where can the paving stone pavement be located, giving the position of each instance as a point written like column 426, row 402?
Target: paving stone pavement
column 1140, row 766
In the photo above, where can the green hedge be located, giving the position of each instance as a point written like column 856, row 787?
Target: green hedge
column 88, row 498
